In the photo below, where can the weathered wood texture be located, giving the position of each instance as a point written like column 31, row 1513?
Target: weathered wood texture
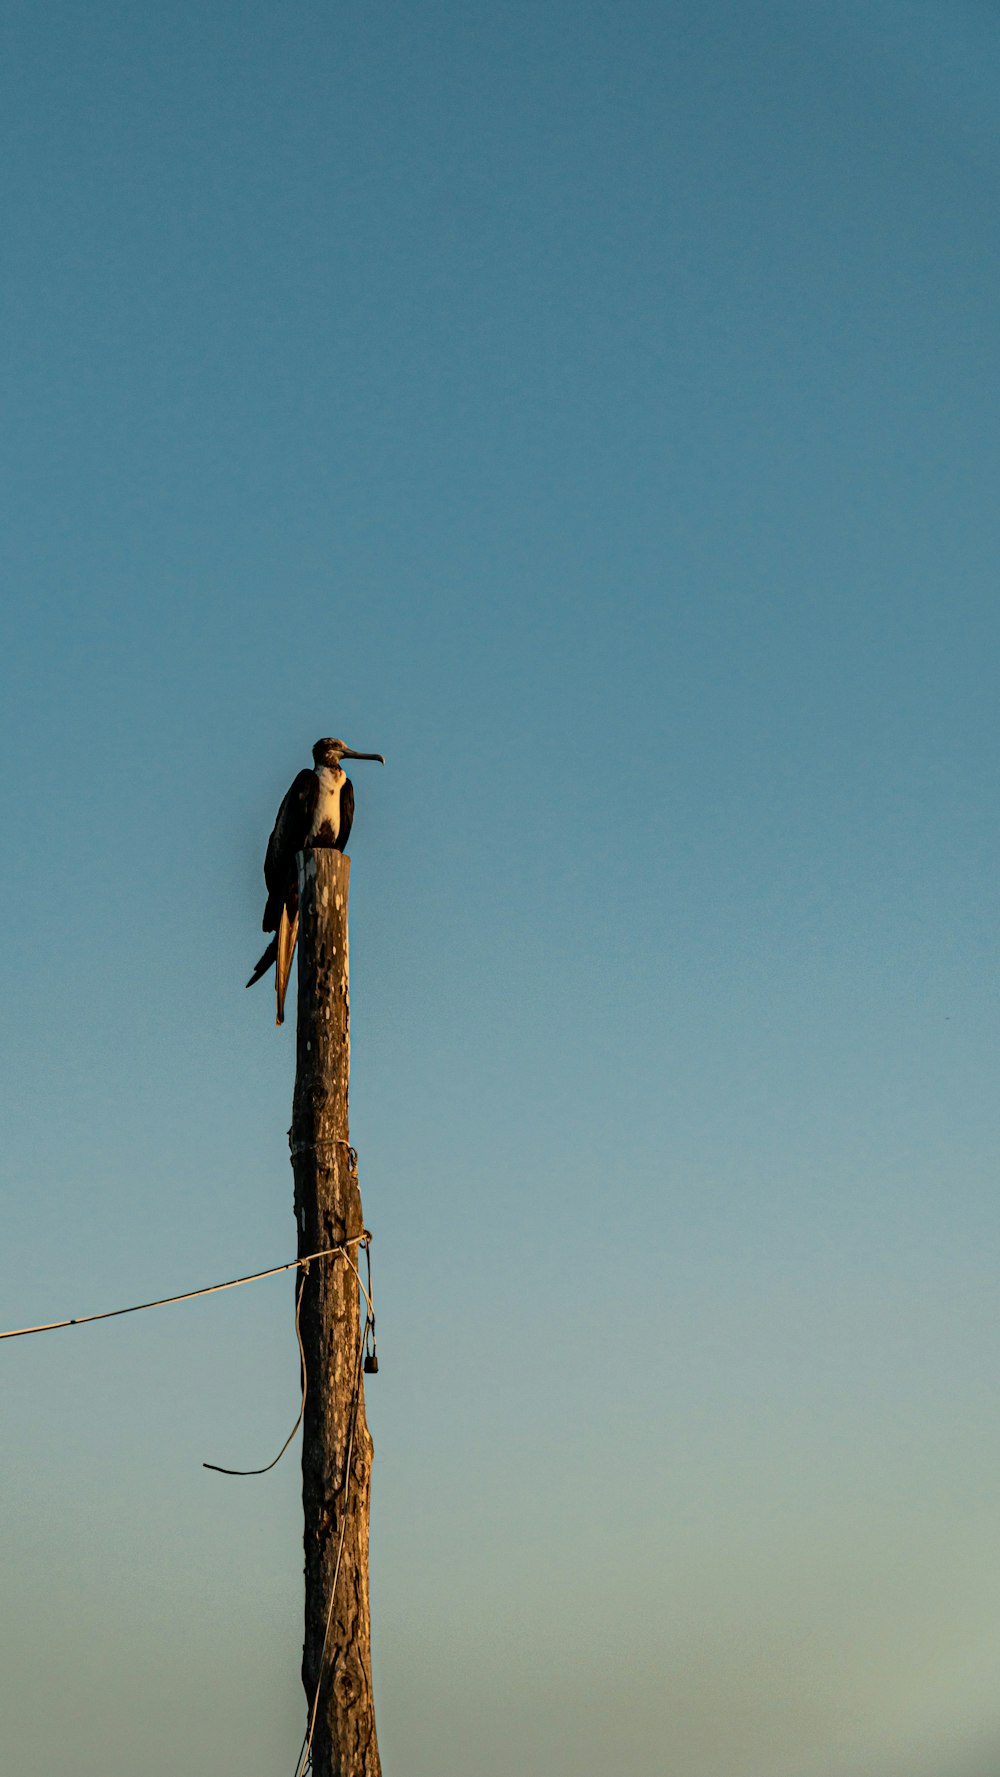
column 328, row 1211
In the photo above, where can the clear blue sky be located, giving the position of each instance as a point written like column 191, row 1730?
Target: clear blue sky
column 594, row 408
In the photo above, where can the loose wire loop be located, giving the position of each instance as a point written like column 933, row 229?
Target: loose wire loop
column 217, row 1467
column 324, row 1141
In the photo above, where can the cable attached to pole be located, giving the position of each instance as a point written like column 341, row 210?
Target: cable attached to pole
column 82, row 1320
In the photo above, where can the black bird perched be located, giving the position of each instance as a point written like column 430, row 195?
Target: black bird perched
column 317, row 810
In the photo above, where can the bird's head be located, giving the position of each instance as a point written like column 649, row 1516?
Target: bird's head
column 330, row 752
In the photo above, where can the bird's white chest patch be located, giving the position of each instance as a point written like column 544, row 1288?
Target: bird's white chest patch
column 327, row 813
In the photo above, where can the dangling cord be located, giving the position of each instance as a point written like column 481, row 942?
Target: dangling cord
column 219, row 1470
column 371, row 1357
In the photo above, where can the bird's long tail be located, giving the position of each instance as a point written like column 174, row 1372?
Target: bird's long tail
column 280, row 952
column 288, row 931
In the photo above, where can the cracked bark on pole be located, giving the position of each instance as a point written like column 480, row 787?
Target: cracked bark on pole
column 328, row 1212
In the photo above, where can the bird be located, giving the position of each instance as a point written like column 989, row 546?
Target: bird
column 318, row 810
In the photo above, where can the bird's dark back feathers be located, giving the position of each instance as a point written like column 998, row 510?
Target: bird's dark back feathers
column 291, row 829
column 346, row 814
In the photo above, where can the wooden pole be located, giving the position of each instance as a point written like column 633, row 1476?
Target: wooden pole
column 336, row 1443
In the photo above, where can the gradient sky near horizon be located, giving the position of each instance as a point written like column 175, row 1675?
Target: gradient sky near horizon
column 594, row 409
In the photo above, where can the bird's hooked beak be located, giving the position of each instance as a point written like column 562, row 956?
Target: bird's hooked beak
column 349, row 753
